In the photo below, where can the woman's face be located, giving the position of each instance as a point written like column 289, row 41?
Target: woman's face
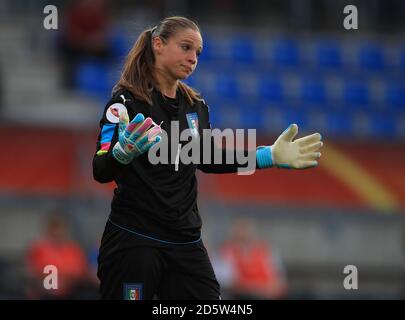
column 178, row 56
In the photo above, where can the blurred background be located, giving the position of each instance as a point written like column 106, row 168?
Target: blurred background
column 277, row 234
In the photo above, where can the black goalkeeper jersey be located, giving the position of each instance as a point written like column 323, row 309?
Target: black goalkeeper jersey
column 158, row 201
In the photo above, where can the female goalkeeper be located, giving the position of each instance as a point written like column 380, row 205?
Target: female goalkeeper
column 152, row 246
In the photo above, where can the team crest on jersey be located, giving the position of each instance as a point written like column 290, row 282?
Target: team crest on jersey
column 192, row 120
column 132, row 291
column 114, row 111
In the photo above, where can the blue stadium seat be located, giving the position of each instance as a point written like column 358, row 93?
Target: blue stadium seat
column 230, row 115
column 93, row 78
column 242, row 50
column 371, row 57
column 313, row 90
column 270, row 88
column 339, row 124
column 356, row 93
column 120, row 44
column 286, row 52
column 383, row 125
column 251, row 115
column 395, row 95
column 227, row 86
column 328, row 54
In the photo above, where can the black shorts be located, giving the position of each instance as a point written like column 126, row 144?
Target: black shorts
column 133, row 267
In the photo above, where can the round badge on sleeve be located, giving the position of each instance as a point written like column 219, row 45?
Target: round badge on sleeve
column 114, row 111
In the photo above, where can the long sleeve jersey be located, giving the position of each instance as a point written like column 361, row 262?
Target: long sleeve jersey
column 155, row 200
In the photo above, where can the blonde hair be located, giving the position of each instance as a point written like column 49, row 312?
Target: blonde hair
column 138, row 72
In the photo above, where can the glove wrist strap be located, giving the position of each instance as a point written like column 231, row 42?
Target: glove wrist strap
column 264, row 157
column 120, row 155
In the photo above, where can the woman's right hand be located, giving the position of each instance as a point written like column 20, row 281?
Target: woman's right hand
column 135, row 137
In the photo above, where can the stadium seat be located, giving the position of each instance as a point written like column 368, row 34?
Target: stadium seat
column 251, row 115
column 270, row 88
column 313, row 90
column 371, row 57
column 226, row 86
column 92, row 77
column 339, row 124
column 242, row 50
column 383, row 125
column 356, row 93
column 120, row 44
column 328, row 54
column 395, row 95
column 286, row 52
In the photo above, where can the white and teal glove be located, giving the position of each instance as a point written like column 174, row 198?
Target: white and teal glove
column 285, row 153
column 135, row 137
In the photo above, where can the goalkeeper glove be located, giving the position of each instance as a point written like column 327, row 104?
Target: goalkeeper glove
column 284, row 153
column 135, row 138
